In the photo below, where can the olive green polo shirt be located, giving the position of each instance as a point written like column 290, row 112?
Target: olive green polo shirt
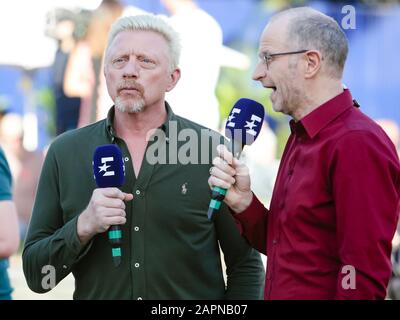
column 5, row 195
column 170, row 247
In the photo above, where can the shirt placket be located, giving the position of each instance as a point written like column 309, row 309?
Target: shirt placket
column 135, row 223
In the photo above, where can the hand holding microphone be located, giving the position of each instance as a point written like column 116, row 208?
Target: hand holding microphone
column 230, row 179
column 106, row 209
column 233, row 175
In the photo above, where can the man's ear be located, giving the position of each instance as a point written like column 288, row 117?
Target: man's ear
column 174, row 78
column 313, row 60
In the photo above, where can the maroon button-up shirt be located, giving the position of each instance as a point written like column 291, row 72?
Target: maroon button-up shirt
column 333, row 211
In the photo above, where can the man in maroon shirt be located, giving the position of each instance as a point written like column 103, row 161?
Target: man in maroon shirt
column 333, row 213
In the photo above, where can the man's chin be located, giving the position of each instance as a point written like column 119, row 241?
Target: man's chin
column 276, row 107
column 130, row 107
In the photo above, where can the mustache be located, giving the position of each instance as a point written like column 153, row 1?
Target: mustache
column 130, row 84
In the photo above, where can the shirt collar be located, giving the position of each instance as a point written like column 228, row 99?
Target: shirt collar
column 318, row 119
column 165, row 126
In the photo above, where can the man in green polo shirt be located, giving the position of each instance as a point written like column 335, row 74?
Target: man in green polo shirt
column 170, row 248
column 9, row 235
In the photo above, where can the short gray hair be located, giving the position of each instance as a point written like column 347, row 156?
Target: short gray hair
column 311, row 29
column 148, row 22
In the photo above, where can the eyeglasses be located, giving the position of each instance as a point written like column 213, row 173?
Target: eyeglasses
column 268, row 56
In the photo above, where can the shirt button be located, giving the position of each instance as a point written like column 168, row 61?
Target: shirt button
column 126, row 158
column 136, row 228
column 137, row 265
column 281, row 205
column 138, row 192
column 274, row 241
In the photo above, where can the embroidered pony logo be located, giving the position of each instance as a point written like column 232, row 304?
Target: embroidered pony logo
column 184, row 188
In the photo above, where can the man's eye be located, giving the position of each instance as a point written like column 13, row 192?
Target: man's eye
column 146, row 62
column 118, row 61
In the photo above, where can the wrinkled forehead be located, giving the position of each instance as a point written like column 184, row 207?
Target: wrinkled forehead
column 141, row 40
column 147, row 37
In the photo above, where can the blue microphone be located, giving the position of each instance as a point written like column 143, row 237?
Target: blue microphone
column 109, row 171
column 242, row 128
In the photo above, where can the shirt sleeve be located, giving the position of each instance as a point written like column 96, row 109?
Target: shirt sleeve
column 254, row 224
column 244, row 268
column 5, row 178
column 365, row 182
column 50, row 241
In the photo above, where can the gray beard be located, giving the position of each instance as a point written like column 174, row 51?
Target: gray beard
column 135, row 106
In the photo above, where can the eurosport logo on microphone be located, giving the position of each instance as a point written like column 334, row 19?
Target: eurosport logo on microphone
column 254, row 122
column 190, row 146
column 104, row 167
column 108, row 166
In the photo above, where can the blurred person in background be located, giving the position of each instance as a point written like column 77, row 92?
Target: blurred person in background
column 334, row 210
column 25, row 167
column 393, row 131
column 9, row 235
column 62, row 25
column 83, row 77
column 394, row 283
column 194, row 96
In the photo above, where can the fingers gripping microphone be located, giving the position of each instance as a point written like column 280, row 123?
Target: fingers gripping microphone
column 109, row 171
column 242, row 128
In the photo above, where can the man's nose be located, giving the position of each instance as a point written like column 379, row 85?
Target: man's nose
column 259, row 72
column 131, row 69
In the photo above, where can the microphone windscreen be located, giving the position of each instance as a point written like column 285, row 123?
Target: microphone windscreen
column 108, row 166
column 245, row 121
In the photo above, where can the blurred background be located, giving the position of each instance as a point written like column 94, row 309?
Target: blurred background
column 51, row 79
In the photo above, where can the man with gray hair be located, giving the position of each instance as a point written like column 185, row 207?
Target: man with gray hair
column 170, row 248
column 333, row 212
